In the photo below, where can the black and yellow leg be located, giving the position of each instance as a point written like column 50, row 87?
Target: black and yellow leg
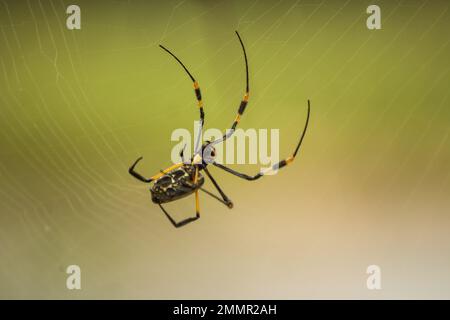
column 275, row 167
column 138, row 176
column 237, row 119
column 244, row 101
column 241, row 110
column 197, row 198
column 198, row 93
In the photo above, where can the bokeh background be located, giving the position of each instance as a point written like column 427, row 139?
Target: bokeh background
column 371, row 184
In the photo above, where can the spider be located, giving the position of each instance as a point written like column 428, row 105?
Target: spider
column 184, row 178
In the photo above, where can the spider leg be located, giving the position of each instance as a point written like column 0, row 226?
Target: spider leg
column 197, row 197
column 213, row 195
column 238, row 174
column 182, row 154
column 138, row 176
column 198, row 93
column 275, row 167
column 244, row 101
column 179, row 223
column 225, row 200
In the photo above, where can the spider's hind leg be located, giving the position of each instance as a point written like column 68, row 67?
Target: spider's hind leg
column 179, row 223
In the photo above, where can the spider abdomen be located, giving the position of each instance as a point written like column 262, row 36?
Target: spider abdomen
column 175, row 185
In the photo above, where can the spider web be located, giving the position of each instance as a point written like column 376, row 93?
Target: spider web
column 67, row 198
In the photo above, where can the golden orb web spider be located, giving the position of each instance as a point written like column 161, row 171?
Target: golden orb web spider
column 184, row 178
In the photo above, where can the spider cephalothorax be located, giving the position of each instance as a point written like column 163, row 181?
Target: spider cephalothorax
column 208, row 153
column 184, row 178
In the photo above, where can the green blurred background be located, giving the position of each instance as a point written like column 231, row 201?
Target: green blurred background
column 370, row 186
